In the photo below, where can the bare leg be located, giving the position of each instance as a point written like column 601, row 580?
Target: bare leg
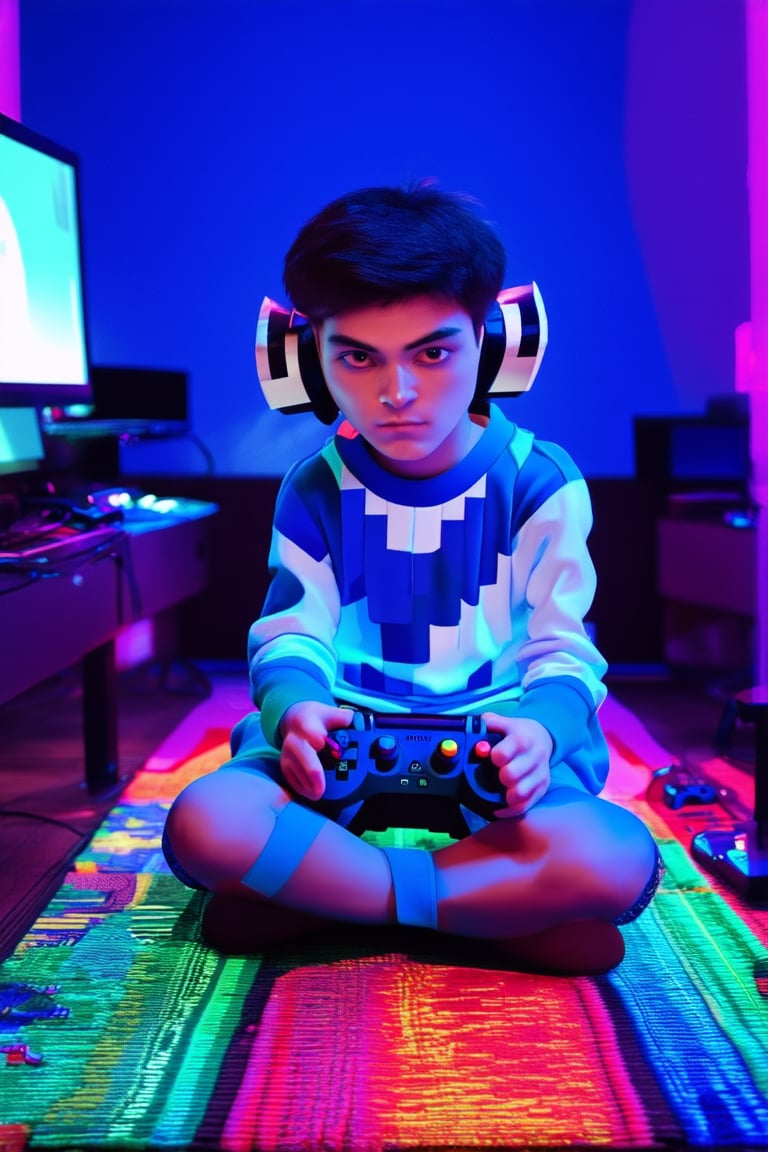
column 572, row 858
column 220, row 825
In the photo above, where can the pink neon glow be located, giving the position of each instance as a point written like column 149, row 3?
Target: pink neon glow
column 757, row 385
column 10, row 79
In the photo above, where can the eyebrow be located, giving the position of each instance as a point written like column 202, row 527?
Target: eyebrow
column 430, row 338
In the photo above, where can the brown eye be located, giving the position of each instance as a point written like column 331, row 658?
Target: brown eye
column 434, row 355
column 356, row 358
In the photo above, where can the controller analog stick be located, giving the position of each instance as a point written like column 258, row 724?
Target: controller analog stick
column 483, row 750
column 385, row 751
column 445, row 756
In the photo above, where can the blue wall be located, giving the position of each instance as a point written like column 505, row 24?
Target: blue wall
column 606, row 138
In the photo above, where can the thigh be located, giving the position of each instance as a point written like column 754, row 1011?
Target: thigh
column 608, row 841
column 571, row 835
column 571, row 820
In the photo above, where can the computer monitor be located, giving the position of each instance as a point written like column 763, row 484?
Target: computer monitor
column 21, row 445
column 43, row 326
column 22, row 455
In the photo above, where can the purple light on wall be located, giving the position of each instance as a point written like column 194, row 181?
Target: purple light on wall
column 752, row 340
column 686, row 156
column 10, row 80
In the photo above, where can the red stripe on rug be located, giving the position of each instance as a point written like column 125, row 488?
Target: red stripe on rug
column 387, row 1052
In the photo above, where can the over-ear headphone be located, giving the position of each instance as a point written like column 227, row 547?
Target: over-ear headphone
column 289, row 372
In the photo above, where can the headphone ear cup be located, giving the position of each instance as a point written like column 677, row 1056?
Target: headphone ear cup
column 321, row 401
column 514, row 342
column 288, row 366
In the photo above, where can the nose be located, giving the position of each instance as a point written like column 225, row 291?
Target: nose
column 399, row 388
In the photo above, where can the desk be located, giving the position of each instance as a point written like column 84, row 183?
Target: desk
column 50, row 623
column 707, row 578
column 710, row 563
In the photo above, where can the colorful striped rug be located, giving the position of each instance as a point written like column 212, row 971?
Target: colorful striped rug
column 121, row 1030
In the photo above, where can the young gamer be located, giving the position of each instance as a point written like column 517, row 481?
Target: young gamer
column 421, row 655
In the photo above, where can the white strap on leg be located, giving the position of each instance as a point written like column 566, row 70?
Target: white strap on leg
column 294, row 833
column 413, row 878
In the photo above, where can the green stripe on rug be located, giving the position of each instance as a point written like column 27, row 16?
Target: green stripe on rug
column 151, row 1017
column 718, row 952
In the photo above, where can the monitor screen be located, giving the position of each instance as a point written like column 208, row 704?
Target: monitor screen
column 21, row 445
column 43, row 341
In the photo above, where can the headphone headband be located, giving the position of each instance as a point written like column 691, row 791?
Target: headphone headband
column 291, row 379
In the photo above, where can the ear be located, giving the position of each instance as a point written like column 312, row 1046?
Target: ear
column 514, row 341
column 288, row 365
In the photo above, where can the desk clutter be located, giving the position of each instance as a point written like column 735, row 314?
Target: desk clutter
column 67, row 593
column 52, row 527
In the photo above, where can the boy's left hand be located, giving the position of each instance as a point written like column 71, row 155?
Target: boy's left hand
column 522, row 757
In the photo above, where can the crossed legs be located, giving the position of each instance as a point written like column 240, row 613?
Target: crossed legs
column 573, row 859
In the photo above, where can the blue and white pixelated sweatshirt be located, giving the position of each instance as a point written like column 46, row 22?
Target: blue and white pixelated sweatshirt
column 456, row 594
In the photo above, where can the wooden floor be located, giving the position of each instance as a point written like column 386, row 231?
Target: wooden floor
column 47, row 815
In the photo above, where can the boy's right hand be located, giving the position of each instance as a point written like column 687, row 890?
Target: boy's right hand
column 304, row 729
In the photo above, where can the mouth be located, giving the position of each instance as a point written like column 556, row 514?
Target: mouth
column 405, row 423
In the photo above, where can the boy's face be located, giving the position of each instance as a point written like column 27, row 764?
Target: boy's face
column 404, row 376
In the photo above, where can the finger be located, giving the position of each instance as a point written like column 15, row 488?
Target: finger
column 506, row 813
column 511, row 749
column 315, row 786
column 343, row 717
column 306, row 784
column 518, row 802
column 513, row 772
column 329, row 721
column 494, row 722
column 514, row 808
column 304, row 772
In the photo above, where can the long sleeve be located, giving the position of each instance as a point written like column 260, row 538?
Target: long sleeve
column 560, row 669
column 291, row 652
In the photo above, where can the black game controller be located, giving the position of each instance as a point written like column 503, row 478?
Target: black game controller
column 677, row 795
column 411, row 771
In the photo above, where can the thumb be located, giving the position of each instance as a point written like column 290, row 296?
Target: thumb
column 340, row 717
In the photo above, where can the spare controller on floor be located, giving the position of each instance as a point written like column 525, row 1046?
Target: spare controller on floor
column 411, row 771
column 678, row 788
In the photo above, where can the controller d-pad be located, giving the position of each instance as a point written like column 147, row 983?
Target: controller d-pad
column 345, row 766
column 342, row 756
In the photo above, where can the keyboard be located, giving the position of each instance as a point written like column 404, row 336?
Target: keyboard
column 49, row 534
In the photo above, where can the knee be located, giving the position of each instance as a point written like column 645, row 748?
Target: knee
column 626, row 863
column 216, row 827
column 605, row 856
column 188, row 835
column 642, row 873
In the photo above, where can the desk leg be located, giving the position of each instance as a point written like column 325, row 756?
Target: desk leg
column 100, row 718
